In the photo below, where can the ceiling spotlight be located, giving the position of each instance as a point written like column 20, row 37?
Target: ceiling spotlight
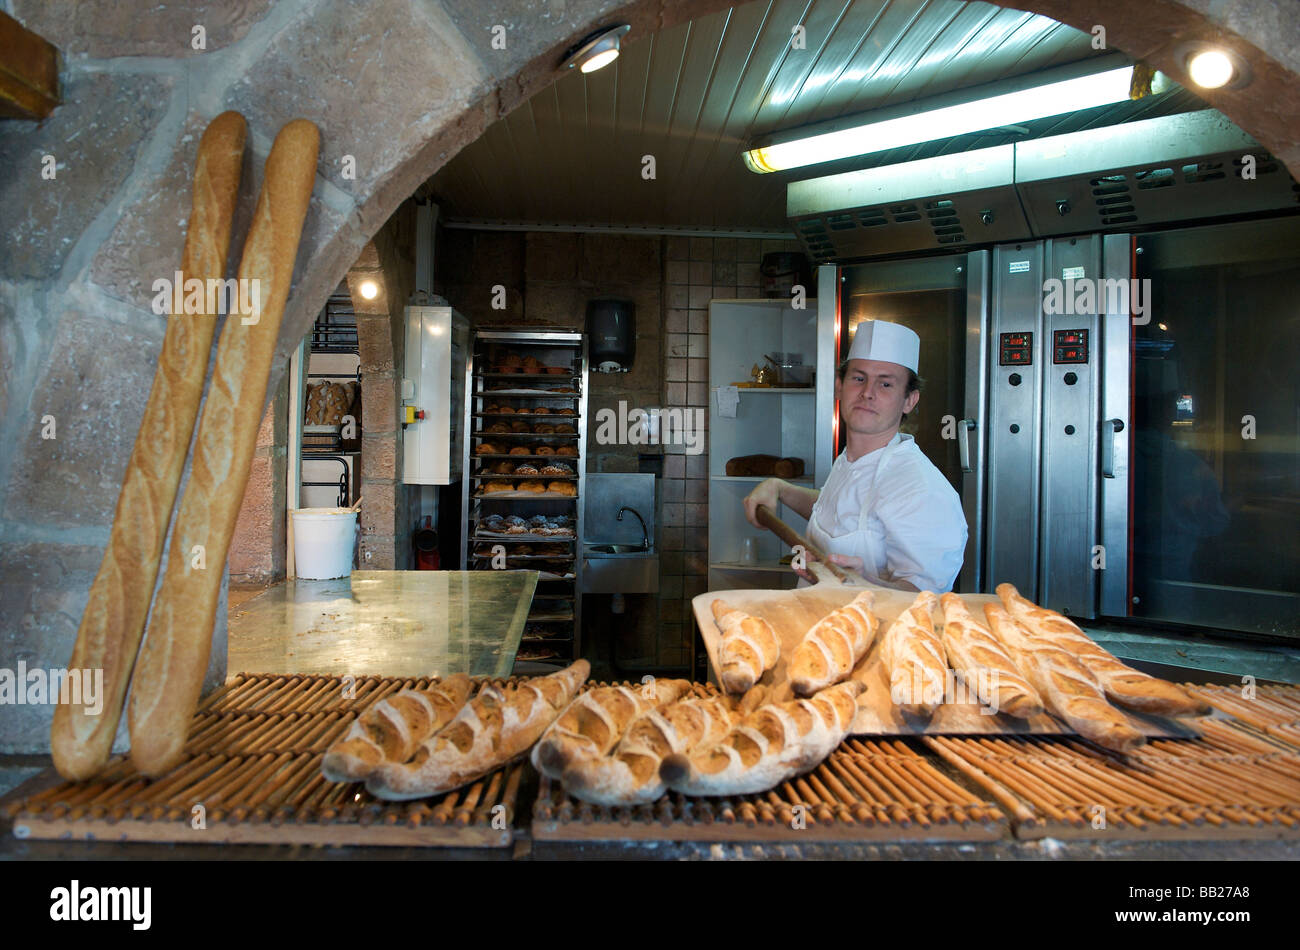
column 369, row 289
column 595, row 50
column 1214, row 67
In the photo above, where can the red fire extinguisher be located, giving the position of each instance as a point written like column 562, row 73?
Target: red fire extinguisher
column 424, row 540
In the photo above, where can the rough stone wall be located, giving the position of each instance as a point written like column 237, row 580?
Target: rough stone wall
column 397, row 85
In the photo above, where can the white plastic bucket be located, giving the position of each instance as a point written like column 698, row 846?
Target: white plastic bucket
column 323, row 539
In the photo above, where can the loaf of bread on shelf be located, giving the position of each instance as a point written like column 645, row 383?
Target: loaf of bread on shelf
column 630, row 775
column 765, row 466
column 391, row 729
column 1068, row 689
column 562, row 488
column 565, row 429
column 914, row 658
column 521, row 450
column 569, row 451
column 532, row 485
column 983, row 664
column 493, row 487
column 1123, row 684
column 773, row 743
column 488, row 448
column 833, row 646
column 748, row 648
column 495, row 727
column 593, row 723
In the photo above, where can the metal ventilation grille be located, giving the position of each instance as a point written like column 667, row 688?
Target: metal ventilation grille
column 932, row 223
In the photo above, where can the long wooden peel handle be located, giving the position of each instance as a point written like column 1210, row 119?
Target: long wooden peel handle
column 787, row 534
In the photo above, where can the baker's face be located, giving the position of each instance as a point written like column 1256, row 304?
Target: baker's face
column 873, row 396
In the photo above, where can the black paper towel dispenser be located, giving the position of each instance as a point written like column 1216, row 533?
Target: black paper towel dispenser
column 611, row 334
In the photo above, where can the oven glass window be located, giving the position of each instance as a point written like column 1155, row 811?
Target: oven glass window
column 1216, row 440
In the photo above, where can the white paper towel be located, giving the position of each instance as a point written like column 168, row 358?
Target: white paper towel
column 728, row 400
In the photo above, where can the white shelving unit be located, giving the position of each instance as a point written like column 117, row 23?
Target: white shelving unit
column 780, row 421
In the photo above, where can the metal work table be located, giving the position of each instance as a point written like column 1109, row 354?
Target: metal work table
column 389, row 623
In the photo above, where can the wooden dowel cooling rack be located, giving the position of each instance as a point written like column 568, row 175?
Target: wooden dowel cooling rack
column 252, row 775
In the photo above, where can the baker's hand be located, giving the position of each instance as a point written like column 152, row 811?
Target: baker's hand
column 767, row 494
column 839, row 560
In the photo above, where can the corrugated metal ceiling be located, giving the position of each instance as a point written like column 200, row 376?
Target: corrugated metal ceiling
column 695, row 95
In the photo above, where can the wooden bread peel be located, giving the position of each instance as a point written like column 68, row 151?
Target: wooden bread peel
column 787, row 534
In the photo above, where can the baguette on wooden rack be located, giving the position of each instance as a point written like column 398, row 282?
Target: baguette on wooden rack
column 594, row 722
column 748, row 648
column 983, row 663
column 773, row 743
column 392, row 729
column 169, row 673
column 1123, row 684
column 915, row 659
column 630, row 776
column 113, row 621
column 833, row 646
column 492, row 729
column 1068, row 689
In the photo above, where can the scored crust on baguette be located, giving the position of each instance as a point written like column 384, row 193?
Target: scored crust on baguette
column 108, row 637
column 169, row 672
column 915, row 658
column 833, row 646
column 596, row 720
column 492, row 729
column 980, row 661
column 1123, row 684
column 630, row 776
column 773, row 743
column 1068, row 689
column 748, row 648
column 391, row 729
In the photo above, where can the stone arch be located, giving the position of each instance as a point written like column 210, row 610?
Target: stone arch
column 76, row 328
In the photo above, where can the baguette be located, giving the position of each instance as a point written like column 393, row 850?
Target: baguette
column 915, row 659
column 594, row 723
column 775, row 742
column 169, row 674
column 984, row 665
column 114, row 619
column 748, row 648
column 493, row 728
column 630, row 776
column 833, row 646
column 1068, row 689
column 392, row 729
column 1123, row 684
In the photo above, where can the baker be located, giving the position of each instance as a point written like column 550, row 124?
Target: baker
column 885, row 510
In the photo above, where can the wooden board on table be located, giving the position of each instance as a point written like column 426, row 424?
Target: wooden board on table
column 793, row 612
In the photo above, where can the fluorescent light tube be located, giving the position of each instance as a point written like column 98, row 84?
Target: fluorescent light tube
column 1011, row 108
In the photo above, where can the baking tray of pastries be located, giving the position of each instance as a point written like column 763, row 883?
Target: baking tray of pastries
column 793, row 612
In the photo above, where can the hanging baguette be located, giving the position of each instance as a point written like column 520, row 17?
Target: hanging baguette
column 493, row 728
column 113, row 621
column 774, row 743
column 1123, row 684
column 984, row 665
column 833, row 646
column 169, row 674
column 1067, row 688
column 915, row 659
column 392, row 729
column 594, row 722
column 630, row 776
column 749, row 647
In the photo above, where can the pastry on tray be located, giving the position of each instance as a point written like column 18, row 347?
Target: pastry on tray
column 487, row 448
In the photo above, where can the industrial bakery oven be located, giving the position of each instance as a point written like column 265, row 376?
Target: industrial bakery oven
column 524, row 464
column 1119, row 409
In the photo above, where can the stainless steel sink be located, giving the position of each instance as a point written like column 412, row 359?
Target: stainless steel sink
column 619, row 569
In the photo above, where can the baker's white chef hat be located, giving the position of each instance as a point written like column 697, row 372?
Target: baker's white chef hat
column 889, row 342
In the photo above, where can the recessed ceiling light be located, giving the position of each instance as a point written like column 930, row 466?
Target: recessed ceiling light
column 1214, row 67
column 369, row 289
column 596, row 50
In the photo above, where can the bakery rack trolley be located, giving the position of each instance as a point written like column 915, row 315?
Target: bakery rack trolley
column 555, row 622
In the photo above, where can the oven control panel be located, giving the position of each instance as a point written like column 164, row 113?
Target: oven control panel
column 1069, row 346
column 1015, row 349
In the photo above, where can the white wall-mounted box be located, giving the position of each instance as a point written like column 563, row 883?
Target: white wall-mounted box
column 433, row 381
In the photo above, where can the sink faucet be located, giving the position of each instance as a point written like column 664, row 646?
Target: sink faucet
column 645, row 535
